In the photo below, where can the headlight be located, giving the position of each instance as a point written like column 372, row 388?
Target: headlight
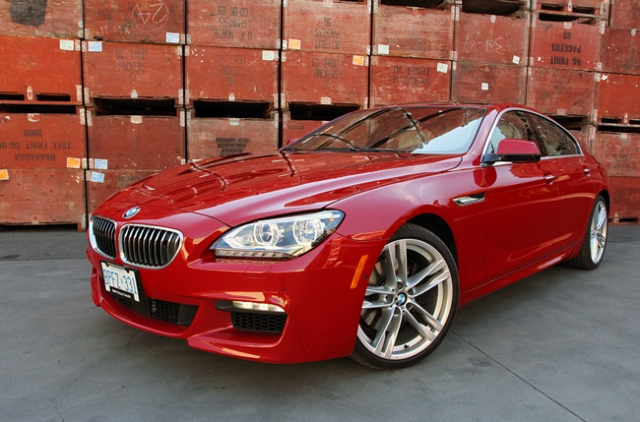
column 278, row 238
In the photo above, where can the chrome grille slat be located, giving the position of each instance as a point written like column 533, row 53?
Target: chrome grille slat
column 148, row 246
column 104, row 234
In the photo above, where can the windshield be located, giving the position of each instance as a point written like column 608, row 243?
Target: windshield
column 413, row 129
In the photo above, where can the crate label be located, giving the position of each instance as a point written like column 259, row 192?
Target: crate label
column 383, row 49
column 172, row 38
column 327, row 3
column 97, row 177
column 67, row 45
column 73, row 163
column 442, row 68
column 94, row 46
column 33, row 117
column 134, row 94
column 234, row 122
column 100, row 164
column 567, row 25
column 358, row 60
column 268, row 55
column 325, row 100
column 295, row 44
column 232, row 97
column 228, row 146
column 516, row 60
column 484, row 86
column 136, row 120
column 4, row 174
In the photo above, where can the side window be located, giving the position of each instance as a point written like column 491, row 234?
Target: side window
column 571, row 147
column 512, row 124
column 552, row 137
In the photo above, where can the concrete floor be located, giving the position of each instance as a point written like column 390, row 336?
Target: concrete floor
column 563, row 345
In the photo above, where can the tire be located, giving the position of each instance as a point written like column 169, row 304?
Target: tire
column 595, row 238
column 405, row 317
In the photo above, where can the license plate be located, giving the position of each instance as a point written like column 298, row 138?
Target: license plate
column 121, row 281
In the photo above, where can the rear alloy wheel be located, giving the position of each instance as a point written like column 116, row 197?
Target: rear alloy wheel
column 595, row 238
column 410, row 301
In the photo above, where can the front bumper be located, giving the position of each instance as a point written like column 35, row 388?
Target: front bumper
column 321, row 293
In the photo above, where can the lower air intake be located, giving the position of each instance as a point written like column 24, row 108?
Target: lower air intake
column 251, row 321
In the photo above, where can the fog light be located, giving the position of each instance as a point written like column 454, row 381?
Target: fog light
column 256, row 306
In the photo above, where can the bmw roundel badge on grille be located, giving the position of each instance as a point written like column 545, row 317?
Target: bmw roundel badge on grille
column 131, row 212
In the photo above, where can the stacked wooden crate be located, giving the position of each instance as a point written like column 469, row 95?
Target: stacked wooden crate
column 617, row 114
column 133, row 89
column 231, row 74
column 97, row 94
column 42, row 132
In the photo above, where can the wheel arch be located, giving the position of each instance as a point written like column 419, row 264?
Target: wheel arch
column 440, row 228
column 605, row 194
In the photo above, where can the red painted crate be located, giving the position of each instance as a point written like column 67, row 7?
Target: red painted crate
column 488, row 83
column 618, row 152
column 37, row 196
column 42, row 141
column 103, row 183
column 625, row 14
column 52, row 18
column 493, row 39
column 234, row 23
column 208, row 138
column 617, row 98
column 407, row 80
column 324, row 78
column 294, row 129
column 28, row 73
column 625, row 199
column 128, row 70
column 561, row 92
column 325, row 25
column 231, row 74
column 402, row 31
column 135, row 142
column 150, row 21
column 565, row 45
column 621, row 51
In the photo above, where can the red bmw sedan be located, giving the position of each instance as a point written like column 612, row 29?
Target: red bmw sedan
column 359, row 239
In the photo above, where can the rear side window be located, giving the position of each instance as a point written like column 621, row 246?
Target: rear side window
column 555, row 141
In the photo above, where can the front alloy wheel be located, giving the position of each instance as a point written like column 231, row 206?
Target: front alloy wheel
column 410, row 301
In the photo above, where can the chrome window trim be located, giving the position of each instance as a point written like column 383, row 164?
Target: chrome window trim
column 126, row 261
column 506, row 110
column 92, row 239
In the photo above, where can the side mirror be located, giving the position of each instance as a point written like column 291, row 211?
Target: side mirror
column 516, row 151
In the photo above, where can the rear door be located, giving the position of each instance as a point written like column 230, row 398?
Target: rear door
column 573, row 178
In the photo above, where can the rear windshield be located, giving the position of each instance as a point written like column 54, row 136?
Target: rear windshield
column 413, row 129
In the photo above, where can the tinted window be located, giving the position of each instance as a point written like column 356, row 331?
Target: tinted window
column 552, row 137
column 571, row 145
column 512, row 124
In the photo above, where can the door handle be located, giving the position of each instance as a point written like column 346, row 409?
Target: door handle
column 587, row 171
column 549, row 178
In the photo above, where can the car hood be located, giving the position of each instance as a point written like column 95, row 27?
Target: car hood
column 238, row 189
